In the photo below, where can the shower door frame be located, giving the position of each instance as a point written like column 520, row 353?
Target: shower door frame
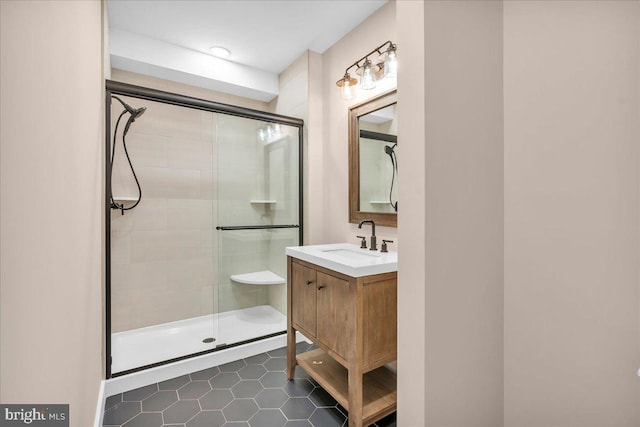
column 118, row 88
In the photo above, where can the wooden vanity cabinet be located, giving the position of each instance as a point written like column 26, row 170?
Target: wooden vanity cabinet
column 353, row 321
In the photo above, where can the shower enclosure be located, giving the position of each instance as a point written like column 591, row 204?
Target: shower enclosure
column 199, row 264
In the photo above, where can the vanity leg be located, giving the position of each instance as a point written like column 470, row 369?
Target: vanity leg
column 355, row 397
column 291, row 352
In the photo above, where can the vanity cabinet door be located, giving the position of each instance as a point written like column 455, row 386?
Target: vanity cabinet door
column 303, row 297
column 335, row 313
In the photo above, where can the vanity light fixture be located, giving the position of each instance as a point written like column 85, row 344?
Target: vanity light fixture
column 385, row 65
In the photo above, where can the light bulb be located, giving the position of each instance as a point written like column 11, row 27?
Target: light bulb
column 391, row 65
column 348, row 91
column 367, row 82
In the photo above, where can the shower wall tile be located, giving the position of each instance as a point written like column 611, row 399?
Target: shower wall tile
column 208, row 301
column 150, row 214
column 146, row 150
column 235, row 297
column 156, row 245
column 207, row 186
column 148, row 275
column 120, row 310
column 190, row 154
column 169, row 120
column 151, row 307
column 189, row 214
column 121, row 247
column 170, row 182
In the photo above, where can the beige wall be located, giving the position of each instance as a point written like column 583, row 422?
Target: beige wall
column 52, row 201
column 411, row 221
column 375, row 30
column 571, row 79
column 463, row 221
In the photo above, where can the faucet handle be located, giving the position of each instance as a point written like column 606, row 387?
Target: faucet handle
column 384, row 245
column 363, row 243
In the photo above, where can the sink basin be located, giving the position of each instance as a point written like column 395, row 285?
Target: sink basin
column 347, row 258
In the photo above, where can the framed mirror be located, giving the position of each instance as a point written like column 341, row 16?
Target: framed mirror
column 373, row 161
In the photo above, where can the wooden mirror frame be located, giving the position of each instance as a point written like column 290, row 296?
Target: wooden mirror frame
column 388, row 219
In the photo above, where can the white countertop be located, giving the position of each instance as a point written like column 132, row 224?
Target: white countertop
column 347, row 258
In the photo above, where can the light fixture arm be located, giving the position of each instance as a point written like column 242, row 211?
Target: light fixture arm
column 377, row 50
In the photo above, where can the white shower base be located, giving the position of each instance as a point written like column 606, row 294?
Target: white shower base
column 158, row 343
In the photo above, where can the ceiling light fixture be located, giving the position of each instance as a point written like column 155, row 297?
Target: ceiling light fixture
column 219, row 51
column 386, row 66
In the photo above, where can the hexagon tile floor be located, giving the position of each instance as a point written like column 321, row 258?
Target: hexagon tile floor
column 252, row 392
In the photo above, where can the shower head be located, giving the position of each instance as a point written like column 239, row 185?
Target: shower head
column 135, row 112
column 389, row 149
column 138, row 112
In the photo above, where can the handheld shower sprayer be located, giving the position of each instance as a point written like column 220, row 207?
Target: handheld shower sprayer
column 391, row 152
column 134, row 113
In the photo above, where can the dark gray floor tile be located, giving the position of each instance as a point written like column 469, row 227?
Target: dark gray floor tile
column 194, row 390
column 300, row 373
column 342, row 409
column 321, row 398
column 181, row 411
column 252, row 372
column 224, row 380
column 232, row 366
column 216, row 399
column 121, row 412
column 298, row 423
column 139, row 394
column 159, row 401
column 298, row 408
column 257, row 359
column 112, row 401
column 240, row 410
column 207, row 419
column 174, row 383
column 277, row 364
column 298, row 388
column 268, row 418
column 247, row 389
column 271, row 398
column 205, row 374
column 279, row 352
column 274, row 379
column 327, row 417
column 152, row 419
column 302, row 346
column 264, row 397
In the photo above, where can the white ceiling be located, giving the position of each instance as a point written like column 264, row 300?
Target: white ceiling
column 263, row 36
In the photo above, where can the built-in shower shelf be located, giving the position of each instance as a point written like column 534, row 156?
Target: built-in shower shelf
column 262, row 202
column 125, row 199
column 264, row 277
column 379, row 202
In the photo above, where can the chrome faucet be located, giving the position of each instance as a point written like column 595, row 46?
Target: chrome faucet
column 374, row 246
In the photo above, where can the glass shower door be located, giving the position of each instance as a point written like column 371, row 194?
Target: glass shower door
column 163, row 293
column 258, row 217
